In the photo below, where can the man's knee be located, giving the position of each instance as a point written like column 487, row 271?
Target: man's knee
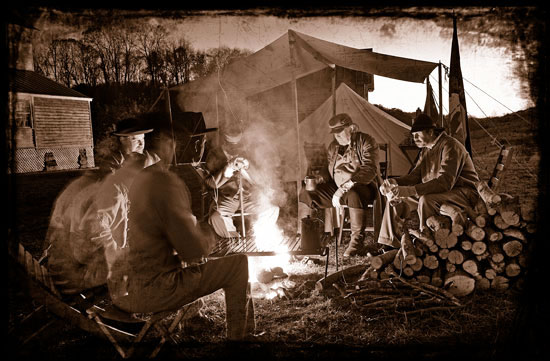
column 428, row 201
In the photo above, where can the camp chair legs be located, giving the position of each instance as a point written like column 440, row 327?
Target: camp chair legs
column 117, row 335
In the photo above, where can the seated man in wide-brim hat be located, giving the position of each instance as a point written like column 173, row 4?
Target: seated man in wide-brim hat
column 444, row 173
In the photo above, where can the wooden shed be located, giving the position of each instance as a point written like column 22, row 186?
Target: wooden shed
column 49, row 125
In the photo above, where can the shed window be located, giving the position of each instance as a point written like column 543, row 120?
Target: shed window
column 23, row 114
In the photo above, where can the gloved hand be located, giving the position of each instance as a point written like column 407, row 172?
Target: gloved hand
column 240, row 163
column 229, row 170
column 387, row 185
column 336, row 198
column 403, row 191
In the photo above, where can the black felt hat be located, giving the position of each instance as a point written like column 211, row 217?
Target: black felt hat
column 339, row 122
column 423, row 122
column 131, row 126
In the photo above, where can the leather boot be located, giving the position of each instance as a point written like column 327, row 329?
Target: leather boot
column 357, row 225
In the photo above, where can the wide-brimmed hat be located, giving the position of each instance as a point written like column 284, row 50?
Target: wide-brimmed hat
column 423, row 122
column 200, row 130
column 339, row 122
column 131, row 126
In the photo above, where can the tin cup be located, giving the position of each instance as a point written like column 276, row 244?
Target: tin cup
column 311, row 183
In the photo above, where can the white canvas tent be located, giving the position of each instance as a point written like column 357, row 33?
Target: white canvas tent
column 370, row 119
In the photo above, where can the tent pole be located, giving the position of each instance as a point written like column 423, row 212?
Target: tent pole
column 291, row 43
column 440, row 95
column 217, row 119
column 334, row 91
column 167, row 92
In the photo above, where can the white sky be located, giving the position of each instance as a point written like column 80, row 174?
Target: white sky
column 488, row 68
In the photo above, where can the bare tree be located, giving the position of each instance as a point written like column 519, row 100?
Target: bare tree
column 152, row 45
column 108, row 44
column 179, row 57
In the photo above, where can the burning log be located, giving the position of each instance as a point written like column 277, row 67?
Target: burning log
column 457, row 215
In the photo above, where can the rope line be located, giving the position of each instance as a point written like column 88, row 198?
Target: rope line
column 494, row 139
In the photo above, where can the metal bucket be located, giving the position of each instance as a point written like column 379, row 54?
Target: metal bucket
column 311, row 234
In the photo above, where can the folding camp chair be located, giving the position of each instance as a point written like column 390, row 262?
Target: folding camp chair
column 91, row 310
column 41, row 287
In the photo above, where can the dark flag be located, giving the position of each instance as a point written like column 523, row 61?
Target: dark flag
column 430, row 108
column 458, row 117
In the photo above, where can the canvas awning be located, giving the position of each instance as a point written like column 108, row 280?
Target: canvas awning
column 274, row 65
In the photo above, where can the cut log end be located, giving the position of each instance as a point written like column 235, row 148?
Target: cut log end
column 459, row 283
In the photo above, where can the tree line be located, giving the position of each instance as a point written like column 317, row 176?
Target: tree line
column 124, row 53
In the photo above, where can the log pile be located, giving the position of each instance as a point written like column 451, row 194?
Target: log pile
column 483, row 247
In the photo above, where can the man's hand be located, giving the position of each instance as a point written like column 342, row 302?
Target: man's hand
column 348, row 185
column 403, row 191
column 387, row 186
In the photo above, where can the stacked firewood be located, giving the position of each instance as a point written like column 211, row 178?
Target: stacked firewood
column 464, row 249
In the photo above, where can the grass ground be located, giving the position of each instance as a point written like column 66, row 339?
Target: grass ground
column 314, row 325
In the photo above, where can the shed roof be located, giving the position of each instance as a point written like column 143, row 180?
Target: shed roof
column 26, row 81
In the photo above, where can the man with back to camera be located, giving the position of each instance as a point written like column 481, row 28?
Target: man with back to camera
column 163, row 233
column 444, row 173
